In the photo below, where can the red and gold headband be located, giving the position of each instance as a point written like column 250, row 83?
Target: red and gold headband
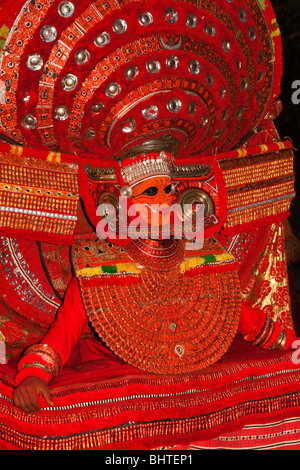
column 146, row 166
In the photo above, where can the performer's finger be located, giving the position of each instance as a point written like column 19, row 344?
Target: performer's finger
column 47, row 396
column 21, row 400
column 31, row 401
column 16, row 398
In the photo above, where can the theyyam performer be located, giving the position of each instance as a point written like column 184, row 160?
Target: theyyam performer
column 144, row 188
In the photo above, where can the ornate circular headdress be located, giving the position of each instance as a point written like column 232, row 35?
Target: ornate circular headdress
column 98, row 77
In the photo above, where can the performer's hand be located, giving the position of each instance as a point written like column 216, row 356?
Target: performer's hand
column 27, row 392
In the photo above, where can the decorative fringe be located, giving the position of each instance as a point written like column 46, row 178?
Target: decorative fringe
column 110, row 280
column 251, row 226
column 55, row 238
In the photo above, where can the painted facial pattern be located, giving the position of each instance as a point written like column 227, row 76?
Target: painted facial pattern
column 154, row 196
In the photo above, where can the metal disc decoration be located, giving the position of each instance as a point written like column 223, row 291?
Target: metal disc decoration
column 97, row 77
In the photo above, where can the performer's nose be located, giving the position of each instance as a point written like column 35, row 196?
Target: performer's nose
column 164, row 198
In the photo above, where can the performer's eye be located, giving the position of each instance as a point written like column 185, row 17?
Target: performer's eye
column 168, row 189
column 152, row 191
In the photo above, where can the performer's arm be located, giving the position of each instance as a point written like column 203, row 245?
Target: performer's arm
column 260, row 330
column 44, row 360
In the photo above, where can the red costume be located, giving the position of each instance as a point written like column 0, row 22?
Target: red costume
column 42, row 360
column 98, row 99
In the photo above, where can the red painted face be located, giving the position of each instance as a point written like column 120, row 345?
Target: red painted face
column 153, row 193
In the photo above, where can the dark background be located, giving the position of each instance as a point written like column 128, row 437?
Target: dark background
column 288, row 123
